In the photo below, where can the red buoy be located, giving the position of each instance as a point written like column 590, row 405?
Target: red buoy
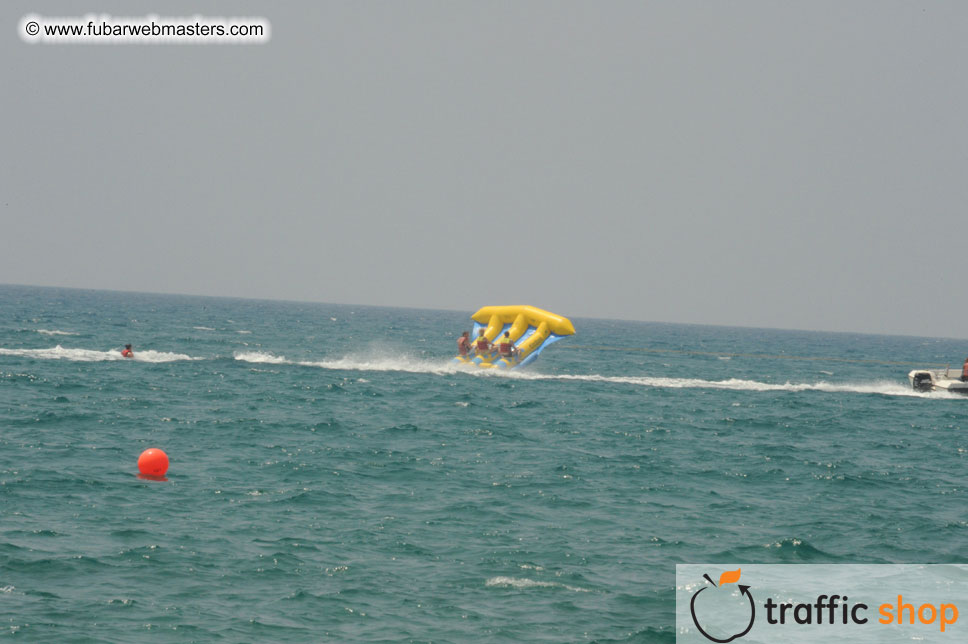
column 153, row 462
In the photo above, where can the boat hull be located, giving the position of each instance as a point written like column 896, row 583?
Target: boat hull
column 937, row 380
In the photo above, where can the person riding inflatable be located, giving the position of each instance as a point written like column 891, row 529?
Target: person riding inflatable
column 481, row 345
column 464, row 343
column 506, row 348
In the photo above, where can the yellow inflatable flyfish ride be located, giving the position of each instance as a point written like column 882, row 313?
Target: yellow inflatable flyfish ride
column 510, row 337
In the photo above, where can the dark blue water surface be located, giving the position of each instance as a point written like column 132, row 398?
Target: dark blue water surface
column 333, row 477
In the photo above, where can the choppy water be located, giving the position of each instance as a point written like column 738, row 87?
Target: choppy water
column 334, row 477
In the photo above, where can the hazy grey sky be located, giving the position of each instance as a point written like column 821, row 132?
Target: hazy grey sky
column 781, row 164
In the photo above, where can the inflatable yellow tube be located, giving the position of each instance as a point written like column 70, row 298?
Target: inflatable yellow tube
column 533, row 316
column 531, row 329
column 535, row 339
column 494, row 326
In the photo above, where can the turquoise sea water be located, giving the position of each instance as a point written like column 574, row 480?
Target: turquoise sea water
column 334, row 478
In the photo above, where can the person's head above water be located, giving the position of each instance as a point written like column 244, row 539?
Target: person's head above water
column 128, row 347
column 480, row 332
column 466, row 333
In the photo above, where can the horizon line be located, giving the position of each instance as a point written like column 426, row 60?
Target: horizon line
column 449, row 310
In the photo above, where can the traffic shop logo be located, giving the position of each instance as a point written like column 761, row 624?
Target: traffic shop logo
column 707, row 608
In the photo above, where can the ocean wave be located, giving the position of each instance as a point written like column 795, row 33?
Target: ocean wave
column 55, row 332
column 91, row 355
column 524, row 582
column 203, row 328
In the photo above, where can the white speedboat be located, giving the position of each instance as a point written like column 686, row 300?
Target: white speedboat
column 938, row 380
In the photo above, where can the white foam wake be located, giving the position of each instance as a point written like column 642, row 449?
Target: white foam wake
column 524, row 582
column 260, row 357
column 885, row 387
column 90, row 355
column 410, row 365
column 55, row 332
column 149, row 355
column 352, row 363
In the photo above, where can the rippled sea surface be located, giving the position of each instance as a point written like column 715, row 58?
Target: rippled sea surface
column 334, row 478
